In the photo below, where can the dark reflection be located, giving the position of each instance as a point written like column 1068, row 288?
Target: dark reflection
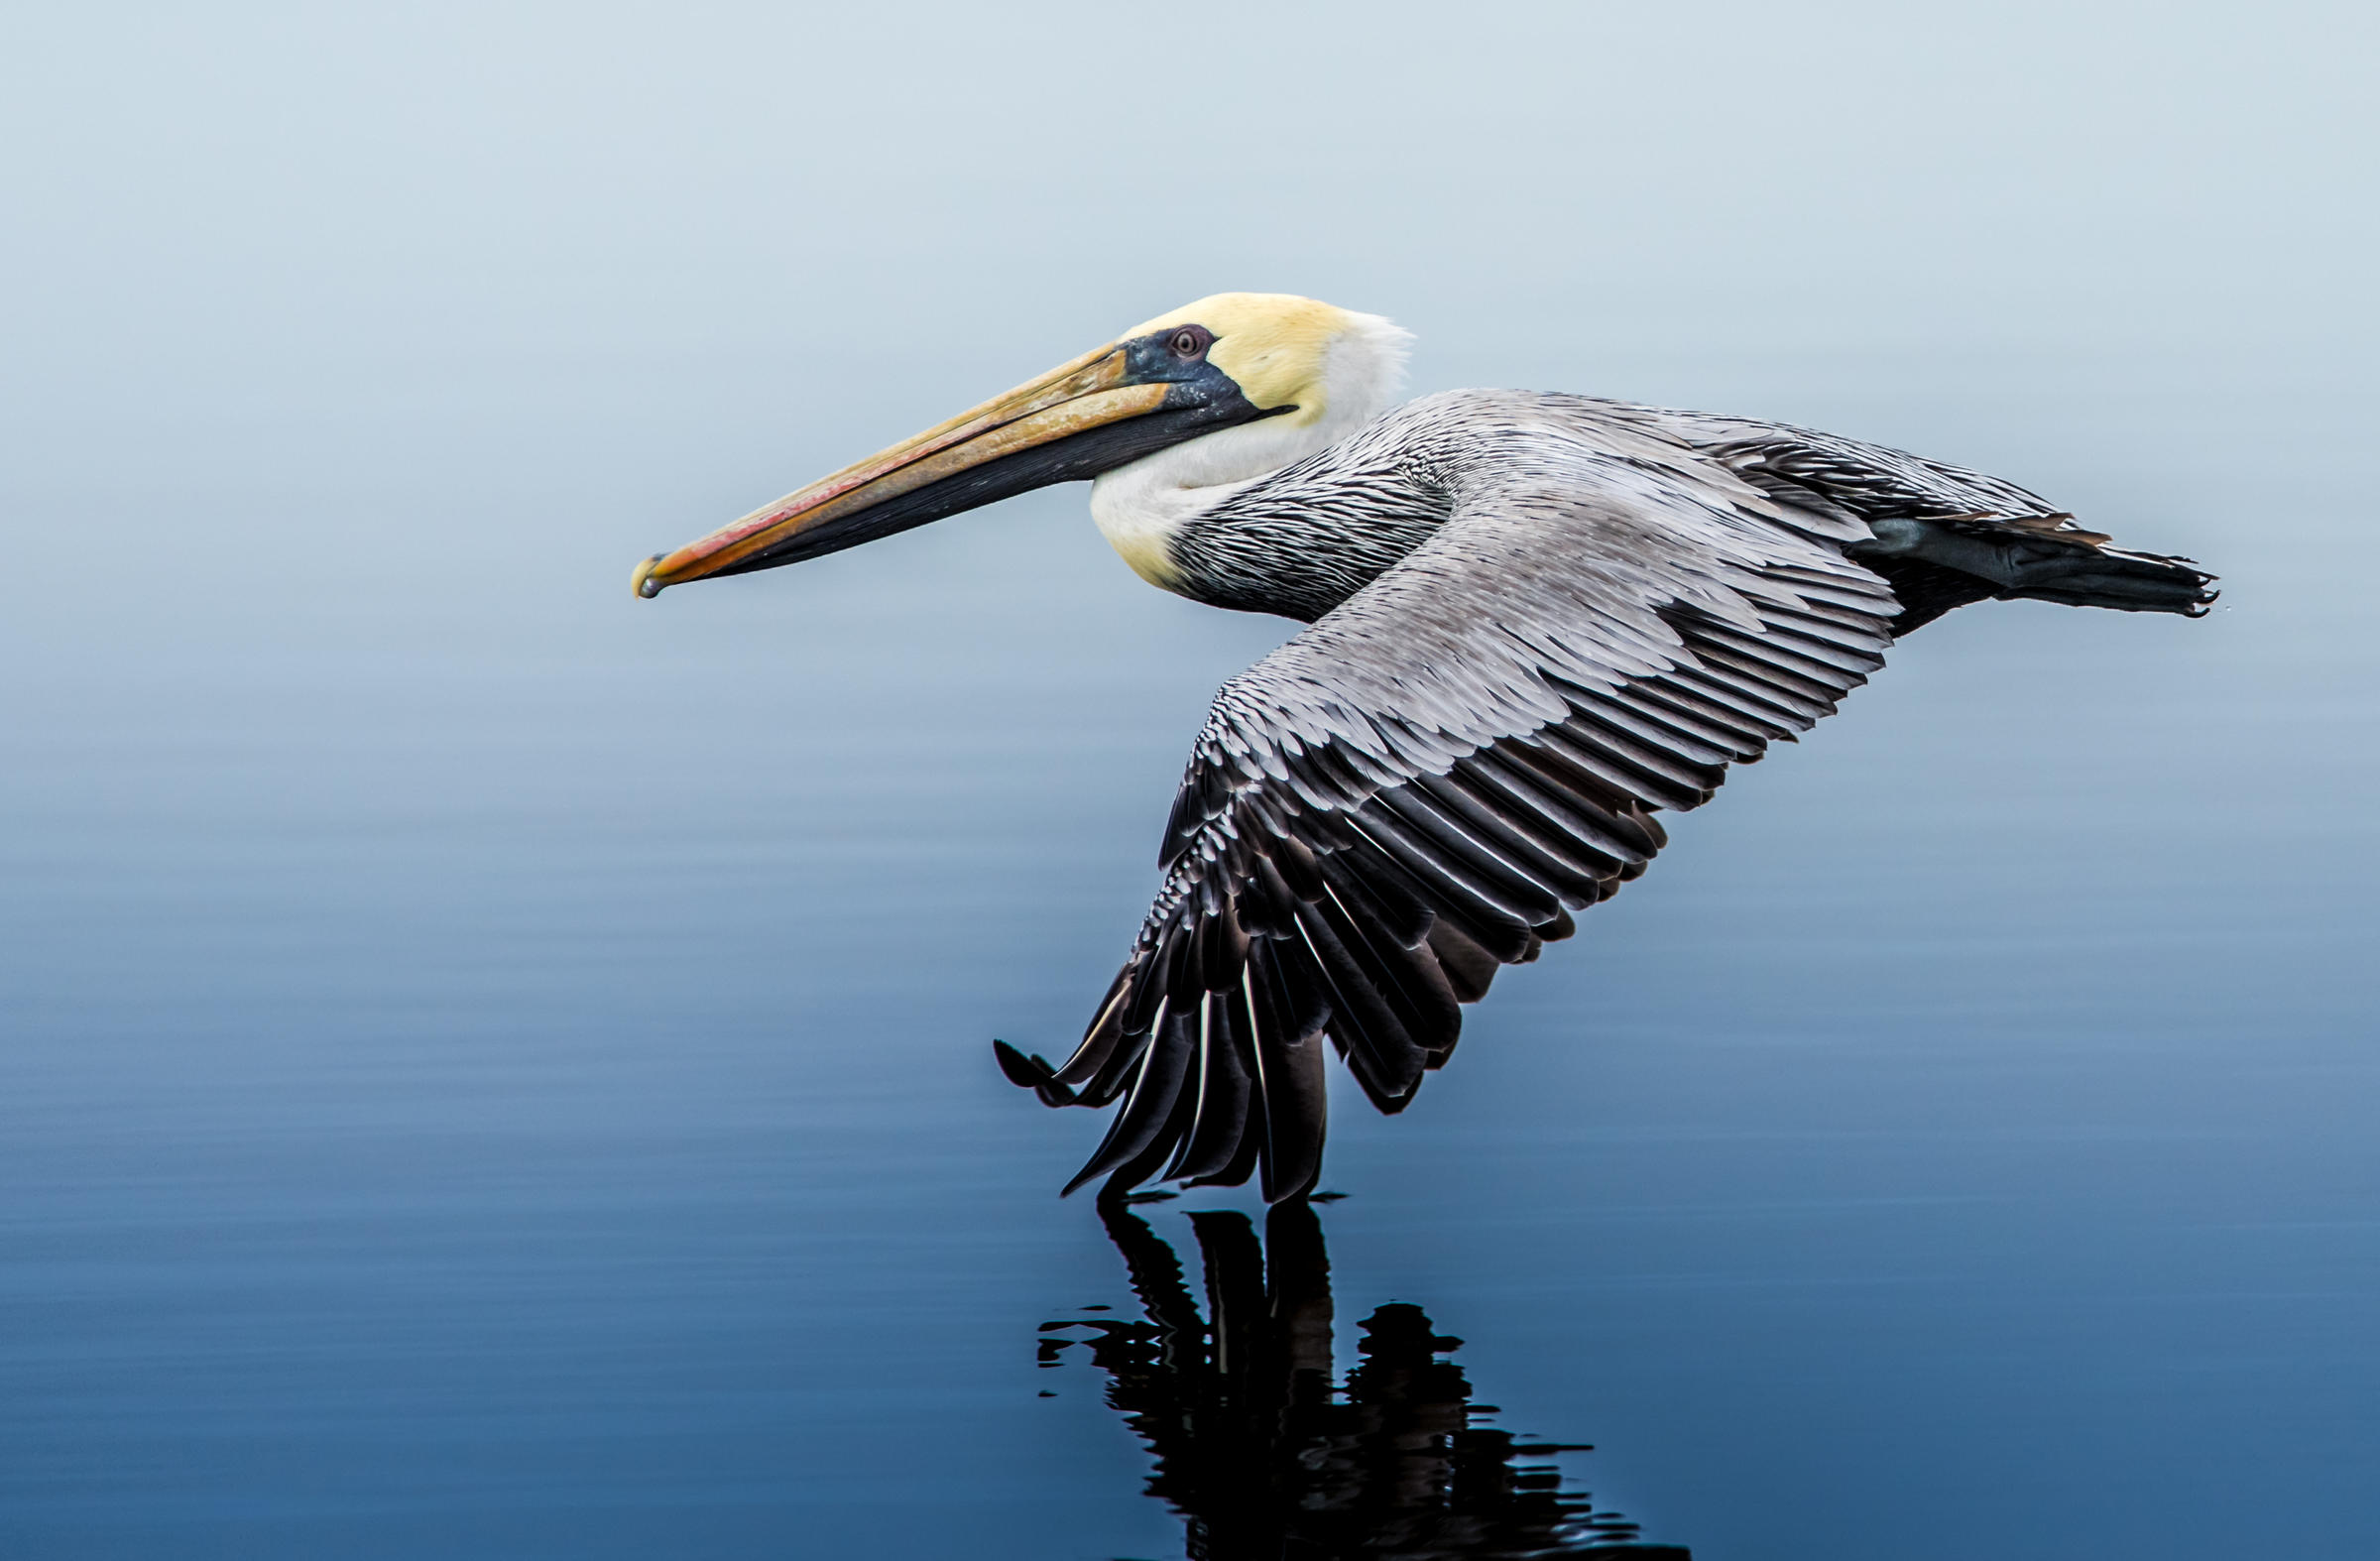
column 1265, row 1456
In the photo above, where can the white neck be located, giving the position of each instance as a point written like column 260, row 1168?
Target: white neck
column 1141, row 506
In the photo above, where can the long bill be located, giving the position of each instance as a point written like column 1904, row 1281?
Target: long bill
column 1063, row 424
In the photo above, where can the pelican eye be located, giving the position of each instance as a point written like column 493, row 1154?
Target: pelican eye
column 1189, row 341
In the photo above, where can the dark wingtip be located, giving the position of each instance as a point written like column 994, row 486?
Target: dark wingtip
column 1022, row 1071
column 1301, row 1193
column 1031, row 1073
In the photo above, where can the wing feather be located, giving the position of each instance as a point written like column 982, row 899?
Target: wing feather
column 1427, row 783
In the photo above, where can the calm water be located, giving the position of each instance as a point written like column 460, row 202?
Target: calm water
column 498, row 1069
column 489, row 1068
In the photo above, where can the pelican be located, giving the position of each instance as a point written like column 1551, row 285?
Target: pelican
column 1535, row 622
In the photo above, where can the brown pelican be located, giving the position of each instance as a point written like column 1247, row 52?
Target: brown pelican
column 1536, row 622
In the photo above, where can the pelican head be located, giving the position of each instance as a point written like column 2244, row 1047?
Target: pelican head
column 1173, row 412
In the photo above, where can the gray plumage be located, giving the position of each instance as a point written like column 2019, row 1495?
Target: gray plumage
column 1536, row 622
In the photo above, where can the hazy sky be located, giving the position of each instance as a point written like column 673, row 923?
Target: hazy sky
column 205, row 201
column 248, row 245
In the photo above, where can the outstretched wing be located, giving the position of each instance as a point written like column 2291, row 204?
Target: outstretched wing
column 1426, row 783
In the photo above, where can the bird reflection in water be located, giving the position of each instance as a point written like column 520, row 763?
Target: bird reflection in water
column 1265, row 1456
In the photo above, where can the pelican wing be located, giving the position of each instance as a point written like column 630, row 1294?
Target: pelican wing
column 1426, row 783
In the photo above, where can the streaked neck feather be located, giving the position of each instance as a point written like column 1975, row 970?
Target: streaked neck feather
column 1141, row 506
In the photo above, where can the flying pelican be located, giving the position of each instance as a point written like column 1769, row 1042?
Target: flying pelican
column 1535, row 622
